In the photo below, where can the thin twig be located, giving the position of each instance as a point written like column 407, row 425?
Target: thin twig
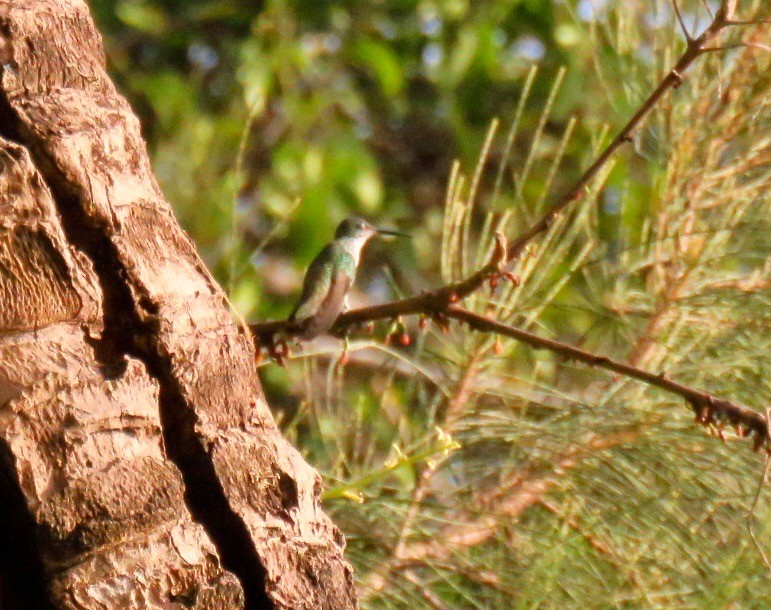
column 738, row 45
column 597, row 544
column 752, row 22
column 686, row 33
column 378, row 579
column 431, row 598
column 709, row 9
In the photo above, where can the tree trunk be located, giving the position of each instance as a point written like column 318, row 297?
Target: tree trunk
column 141, row 467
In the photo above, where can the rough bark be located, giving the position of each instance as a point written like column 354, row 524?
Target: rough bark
column 141, row 467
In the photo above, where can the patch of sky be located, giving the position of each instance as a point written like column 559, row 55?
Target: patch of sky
column 386, row 28
column 430, row 20
column 611, row 201
column 528, row 47
column 659, row 16
column 202, row 56
column 432, row 55
column 591, row 10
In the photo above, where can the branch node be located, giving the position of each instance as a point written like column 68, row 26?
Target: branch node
column 703, row 414
column 719, row 433
column 442, row 321
column 725, row 13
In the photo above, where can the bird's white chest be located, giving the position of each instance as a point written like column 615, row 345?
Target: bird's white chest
column 353, row 246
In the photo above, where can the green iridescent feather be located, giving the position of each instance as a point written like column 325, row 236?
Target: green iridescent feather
column 332, row 263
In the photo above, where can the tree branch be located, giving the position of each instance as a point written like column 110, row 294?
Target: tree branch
column 709, row 410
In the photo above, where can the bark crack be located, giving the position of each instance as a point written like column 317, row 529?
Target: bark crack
column 130, row 328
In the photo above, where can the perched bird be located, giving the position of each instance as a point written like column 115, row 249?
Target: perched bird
column 330, row 277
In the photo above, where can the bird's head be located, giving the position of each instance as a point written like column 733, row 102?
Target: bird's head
column 360, row 230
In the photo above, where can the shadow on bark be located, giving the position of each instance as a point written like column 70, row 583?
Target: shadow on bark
column 23, row 583
column 206, row 500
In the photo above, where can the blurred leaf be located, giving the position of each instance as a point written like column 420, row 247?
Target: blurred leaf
column 369, row 190
column 462, row 54
column 143, row 17
column 380, row 60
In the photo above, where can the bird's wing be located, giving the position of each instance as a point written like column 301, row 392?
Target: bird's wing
column 330, row 307
column 315, row 286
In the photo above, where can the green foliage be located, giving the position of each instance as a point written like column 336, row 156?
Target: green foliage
column 468, row 472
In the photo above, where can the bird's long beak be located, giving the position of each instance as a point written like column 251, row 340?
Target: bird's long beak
column 389, row 233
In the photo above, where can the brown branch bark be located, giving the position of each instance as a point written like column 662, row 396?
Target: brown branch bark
column 708, row 409
column 137, row 453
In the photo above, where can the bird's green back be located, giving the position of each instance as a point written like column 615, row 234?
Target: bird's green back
column 317, row 283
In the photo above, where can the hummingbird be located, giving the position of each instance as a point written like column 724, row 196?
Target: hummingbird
column 331, row 275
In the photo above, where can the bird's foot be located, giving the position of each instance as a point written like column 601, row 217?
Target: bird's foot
column 279, row 351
